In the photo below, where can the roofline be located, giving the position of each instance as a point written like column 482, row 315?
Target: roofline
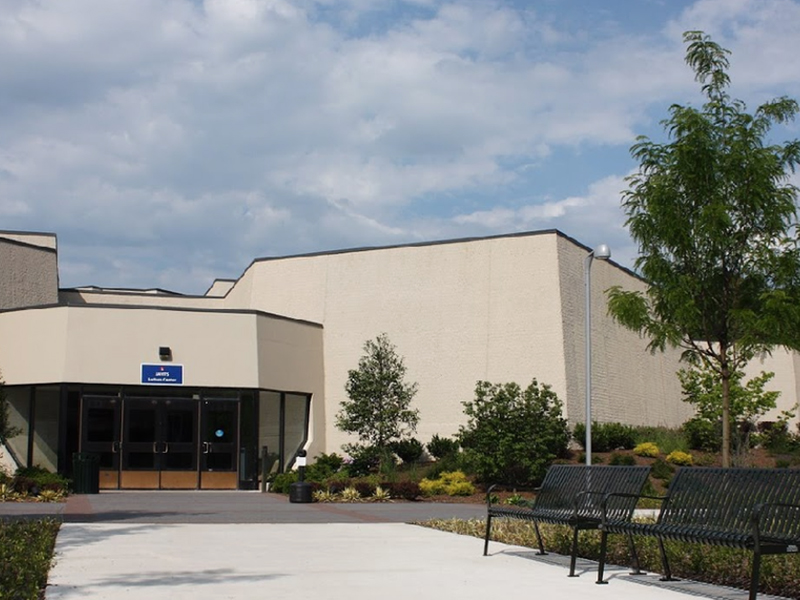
column 224, row 311
column 18, row 232
column 409, row 245
column 27, row 244
column 469, row 239
column 220, row 280
column 96, row 289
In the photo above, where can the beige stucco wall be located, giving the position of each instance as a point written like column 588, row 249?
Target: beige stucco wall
column 108, row 345
column 629, row 384
column 28, row 273
column 785, row 365
column 499, row 309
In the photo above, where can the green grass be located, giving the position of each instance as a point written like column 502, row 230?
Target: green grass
column 780, row 575
column 26, row 554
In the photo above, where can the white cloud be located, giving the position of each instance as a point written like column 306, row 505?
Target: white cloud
column 263, row 127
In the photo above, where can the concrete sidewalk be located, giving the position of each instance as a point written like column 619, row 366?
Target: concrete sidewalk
column 245, row 545
column 332, row 561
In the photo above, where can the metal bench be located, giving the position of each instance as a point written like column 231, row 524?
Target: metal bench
column 573, row 495
column 753, row 509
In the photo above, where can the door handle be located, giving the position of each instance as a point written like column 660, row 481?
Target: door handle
column 115, row 447
column 206, row 448
column 166, row 448
column 155, row 447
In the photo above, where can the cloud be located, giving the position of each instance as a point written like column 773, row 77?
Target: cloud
column 216, row 131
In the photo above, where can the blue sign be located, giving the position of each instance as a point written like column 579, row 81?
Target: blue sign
column 163, row 374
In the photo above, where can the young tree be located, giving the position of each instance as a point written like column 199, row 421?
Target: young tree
column 512, row 435
column 378, row 409
column 716, row 222
column 749, row 401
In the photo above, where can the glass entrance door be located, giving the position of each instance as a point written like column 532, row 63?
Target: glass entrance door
column 159, row 444
column 219, row 443
column 100, row 429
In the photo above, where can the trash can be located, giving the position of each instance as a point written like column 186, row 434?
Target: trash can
column 85, row 473
column 300, row 491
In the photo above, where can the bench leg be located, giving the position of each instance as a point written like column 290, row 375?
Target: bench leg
column 665, row 563
column 488, row 533
column 634, row 557
column 602, row 562
column 539, row 537
column 574, row 554
column 755, row 575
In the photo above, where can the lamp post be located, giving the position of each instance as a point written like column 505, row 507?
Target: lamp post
column 602, row 252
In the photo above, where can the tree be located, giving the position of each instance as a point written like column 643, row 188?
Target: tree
column 716, row 222
column 748, row 401
column 379, row 399
column 512, row 435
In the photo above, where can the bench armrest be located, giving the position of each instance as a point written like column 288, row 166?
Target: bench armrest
column 489, row 495
column 623, row 495
column 756, row 517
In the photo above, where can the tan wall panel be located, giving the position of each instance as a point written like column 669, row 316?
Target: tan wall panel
column 108, row 345
column 786, row 366
column 33, row 348
column 629, row 383
column 290, row 356
column 456, row 312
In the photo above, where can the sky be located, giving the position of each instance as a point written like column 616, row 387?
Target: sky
column 168, row 143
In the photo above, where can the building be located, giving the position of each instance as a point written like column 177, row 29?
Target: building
column 176, row 391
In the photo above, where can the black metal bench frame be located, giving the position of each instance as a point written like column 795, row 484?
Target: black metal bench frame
column 752, row 509
column 574, row 495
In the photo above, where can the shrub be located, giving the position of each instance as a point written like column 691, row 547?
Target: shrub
column 606, row 436
column 32, row 480
column 380, row 495
column 453, row 484
column 776, row 437
column 365, row 488
column 460, row 488
column 516, row 500
column 281, row 482
column 350, row 494
column 441, row 447
column 431, row 487
column 364, row 460
column 622, row 459
column 676, row 457
column 596, row 459
column 26, row 553
column 647, row 449
column 450, row 462
column 324, row 496
column 512, row 435
column 666, row 438
column 703, row 435
column 405, row 490
column 409, row 450
column 324, row 467
column 662, row 470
